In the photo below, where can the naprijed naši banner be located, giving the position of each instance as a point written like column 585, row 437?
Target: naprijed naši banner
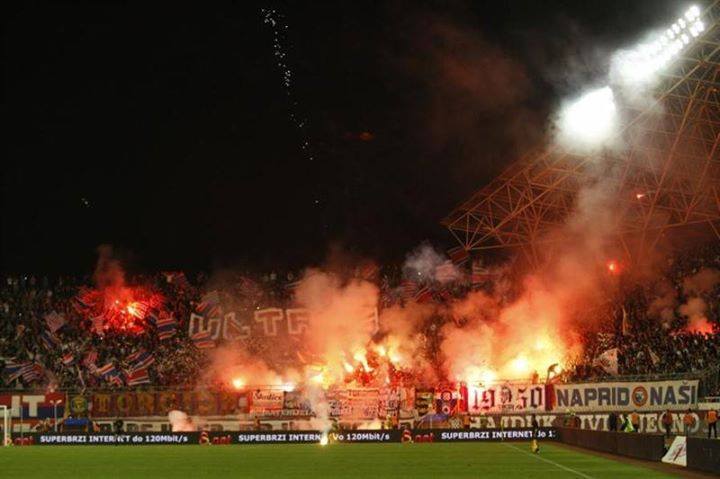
column 625, row 396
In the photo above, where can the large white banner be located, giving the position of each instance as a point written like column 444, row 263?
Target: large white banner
column 501, row 398
column 624, row 397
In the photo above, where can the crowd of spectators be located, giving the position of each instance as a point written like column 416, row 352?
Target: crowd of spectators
column 650, row 323
column 669, row 325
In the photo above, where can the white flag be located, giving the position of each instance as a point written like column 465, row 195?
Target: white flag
column 608, row 361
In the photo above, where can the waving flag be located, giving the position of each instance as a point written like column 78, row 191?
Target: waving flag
column 203, row 340
column 90, row 360
column 13, row 370
column 98, row 324
column 368, row 271
column 32, row 373
column 409, row 287
column 210, row 304
column 140, row 360
column 608, row 361
column 167, row 327
column 49, row 340
column 110, row 374
column 78, row 301
column 115, row 378
column 138, row 377
column 479, row 274
column 68, row 358
column 424, row 295
column 54, row 321
column 107, row 370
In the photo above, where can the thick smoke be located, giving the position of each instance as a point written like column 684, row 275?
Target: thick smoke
column 695, row 309
column 663, row 305
column 701, row 282
column 233, row 365
column 520, row 326
column 181, row 422
column 109, row 272
column 341, row 315
column 424, row 263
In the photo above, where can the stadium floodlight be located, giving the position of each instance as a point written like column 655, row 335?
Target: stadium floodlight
column 692, row 13
column 590, row 120
column 642, row 63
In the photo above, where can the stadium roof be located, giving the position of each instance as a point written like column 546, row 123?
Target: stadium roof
column 666, row 176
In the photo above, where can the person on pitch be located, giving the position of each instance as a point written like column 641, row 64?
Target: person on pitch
column 667, row 422
column 635, row 420
column 688, row 422
column 612, row 422
column 534, row 446
column 712, row 418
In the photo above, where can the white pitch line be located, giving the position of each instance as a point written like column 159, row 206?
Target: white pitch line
column 537, row 456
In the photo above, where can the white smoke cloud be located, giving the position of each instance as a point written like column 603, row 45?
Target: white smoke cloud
column 424, row 263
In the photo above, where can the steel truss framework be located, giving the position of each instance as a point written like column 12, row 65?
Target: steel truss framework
column 666, row 176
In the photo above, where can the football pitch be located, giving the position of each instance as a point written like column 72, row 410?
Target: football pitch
column 504, row 460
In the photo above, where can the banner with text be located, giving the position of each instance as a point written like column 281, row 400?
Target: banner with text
column 266, row 322
column 645, row 396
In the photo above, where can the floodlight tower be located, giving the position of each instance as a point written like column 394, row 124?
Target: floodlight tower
column 665, row 176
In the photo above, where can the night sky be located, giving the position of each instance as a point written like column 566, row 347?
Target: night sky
column 169, row 133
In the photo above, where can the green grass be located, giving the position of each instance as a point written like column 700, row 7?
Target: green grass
column 505, row 460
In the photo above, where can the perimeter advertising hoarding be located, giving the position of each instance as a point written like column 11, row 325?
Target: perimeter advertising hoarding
column 624, row 397
column 280, row 437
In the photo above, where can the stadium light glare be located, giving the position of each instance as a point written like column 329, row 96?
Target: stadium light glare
column 641, row 63
column 590, row 120
column 692, row 13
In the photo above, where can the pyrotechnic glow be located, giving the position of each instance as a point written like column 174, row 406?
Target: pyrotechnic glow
column 323, row 379
column 542, row 344
column 700, row 325
column 478, row 375
column 360, row 356
column 521, row 365
column 324, row 439
column 488, row 377
column 238, row 383
column 134, row 309
column 288, row 387
column 590, row 120
column 613, row 267
column 120, row 308
column 395, row 358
